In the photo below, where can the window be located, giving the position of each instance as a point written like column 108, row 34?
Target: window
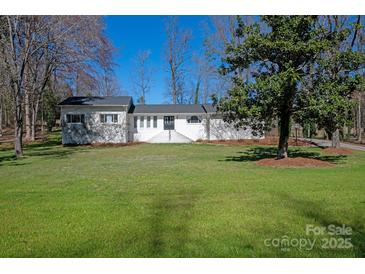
column 135, row 121
column 141, row 121
column 109, row 118
column 155, row 121
column 75, row 118
column 148, row 121
column 194, row 120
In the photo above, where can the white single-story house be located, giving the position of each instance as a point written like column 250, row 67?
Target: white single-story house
column 115, row 119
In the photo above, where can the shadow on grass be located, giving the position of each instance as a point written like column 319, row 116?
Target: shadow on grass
column 53, row 152
column 166, row 226
column 10, row 160
column 47, row 143
column 317, row 212
column 259, row 153
column 169, row 224
column 51, row 148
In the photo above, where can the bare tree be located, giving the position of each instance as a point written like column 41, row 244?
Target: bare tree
column 219, row 32
column 17, row 47
column 5, row 96
column 204, row 76
column 74, row 44
column 3, row 86
column 108, row 84
column 176, row 50
column 36, row 48
column 83, row 52
column 141, row 76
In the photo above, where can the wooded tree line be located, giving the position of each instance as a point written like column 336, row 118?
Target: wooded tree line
column 45, row 58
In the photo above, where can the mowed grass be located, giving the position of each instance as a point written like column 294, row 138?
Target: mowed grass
column 166, row 200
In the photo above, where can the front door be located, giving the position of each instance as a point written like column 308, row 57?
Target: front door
column 168, row 122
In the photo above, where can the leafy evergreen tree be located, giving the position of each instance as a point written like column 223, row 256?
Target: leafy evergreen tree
column 280, row 49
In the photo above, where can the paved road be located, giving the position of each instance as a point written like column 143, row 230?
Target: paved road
column 327, row 143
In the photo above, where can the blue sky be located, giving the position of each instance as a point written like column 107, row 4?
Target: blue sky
column 134, row 33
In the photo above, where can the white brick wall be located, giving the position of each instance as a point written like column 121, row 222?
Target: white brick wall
column 219, row 130
column 93, row 131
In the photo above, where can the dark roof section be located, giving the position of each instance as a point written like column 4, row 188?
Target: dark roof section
column 138, row 109
column 97, row 101
column 191, row 108
column 209, row 108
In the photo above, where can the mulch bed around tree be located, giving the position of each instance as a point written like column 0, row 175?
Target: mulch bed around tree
column 267, row 141
column 293, row 162
column 340, row 151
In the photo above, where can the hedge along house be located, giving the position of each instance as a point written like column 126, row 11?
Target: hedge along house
column 115, row 119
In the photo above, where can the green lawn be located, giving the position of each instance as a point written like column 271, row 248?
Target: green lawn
column 187, row 200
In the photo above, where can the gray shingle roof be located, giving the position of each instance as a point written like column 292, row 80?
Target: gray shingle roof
column 192, row 108
column 138, row 109
column 97, row 101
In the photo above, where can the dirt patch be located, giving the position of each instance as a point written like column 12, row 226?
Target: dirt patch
column 338, row 151
column 267, row 141
column 293, row 162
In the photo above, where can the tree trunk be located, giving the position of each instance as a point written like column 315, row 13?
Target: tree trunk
column 26, row 95
column 329, row 135
column 359, row 136
column 18, row 126
column 284, row 136
column 174, row 87
column 1, row 115
column 336, row 139
column 27, row 115
column 197, row 89
column 33, row 126
column 6, row 115
column 6, row 122
column 42, row 118
column 208, row 126
column 34, row 119
column 27, row 105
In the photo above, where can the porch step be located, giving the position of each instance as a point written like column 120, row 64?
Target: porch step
column 169, row 136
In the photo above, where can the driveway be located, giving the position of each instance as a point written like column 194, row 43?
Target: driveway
column 327, row 143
